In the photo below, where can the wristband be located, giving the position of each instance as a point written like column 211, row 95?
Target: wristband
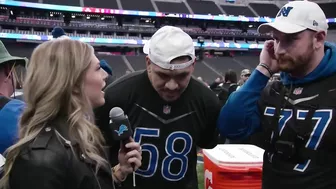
column 267, row 68
column 114, row 170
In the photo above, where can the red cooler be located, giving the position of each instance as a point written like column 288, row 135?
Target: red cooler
column 233, row 166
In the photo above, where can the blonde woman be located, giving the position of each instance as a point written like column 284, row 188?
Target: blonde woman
column 60, row 147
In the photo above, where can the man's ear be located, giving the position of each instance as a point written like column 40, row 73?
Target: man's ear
column 319, row 39
column 148, row 65
column 193, row 66
column 7, row 71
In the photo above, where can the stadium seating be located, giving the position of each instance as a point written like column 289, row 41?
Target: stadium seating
column 63, row 2
column 204, row 7
column 329, row 9
column 209, row 68
column 245, row 8
column 111, row 4
column 237, row 10
column 263, row 9
column 172, row 7
column 101, row 26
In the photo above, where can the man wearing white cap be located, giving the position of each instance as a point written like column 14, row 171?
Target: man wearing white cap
column 171, row 113
column 295, row 116
column 244, row 75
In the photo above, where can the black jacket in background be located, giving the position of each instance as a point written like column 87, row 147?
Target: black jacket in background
column 49, row 162
column 223, row 90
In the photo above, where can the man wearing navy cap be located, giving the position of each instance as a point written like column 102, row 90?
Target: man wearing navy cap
column 58, row 33
column 107, row 68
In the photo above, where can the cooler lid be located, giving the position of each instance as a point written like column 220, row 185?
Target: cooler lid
column 235, row 154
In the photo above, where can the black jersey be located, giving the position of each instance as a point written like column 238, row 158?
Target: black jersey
column 299, row 130
column 168, row 132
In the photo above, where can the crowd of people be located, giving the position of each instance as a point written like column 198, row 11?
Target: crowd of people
column 59, row 135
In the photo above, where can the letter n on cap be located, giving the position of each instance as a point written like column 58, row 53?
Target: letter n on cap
column 284, row 11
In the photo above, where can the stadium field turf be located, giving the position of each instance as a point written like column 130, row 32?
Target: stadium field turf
column 200, row 169
column 200, row 175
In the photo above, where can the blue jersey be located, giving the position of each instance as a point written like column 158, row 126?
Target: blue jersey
column 294, row 120
column 9, row 119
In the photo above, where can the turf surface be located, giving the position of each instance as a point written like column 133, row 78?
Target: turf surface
column 200, row 175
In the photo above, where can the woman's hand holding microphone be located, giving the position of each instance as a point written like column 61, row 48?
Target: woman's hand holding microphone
column 129, row 160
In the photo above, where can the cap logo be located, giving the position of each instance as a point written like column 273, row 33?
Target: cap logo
column 284, row 11
column 315, row 23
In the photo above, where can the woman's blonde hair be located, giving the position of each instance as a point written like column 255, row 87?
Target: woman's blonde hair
column 54, row 88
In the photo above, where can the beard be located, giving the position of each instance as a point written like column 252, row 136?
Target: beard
column 296, row 65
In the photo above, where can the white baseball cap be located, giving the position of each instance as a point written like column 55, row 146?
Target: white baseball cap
column 245, row 72
column 297, row 16
column 169, row 43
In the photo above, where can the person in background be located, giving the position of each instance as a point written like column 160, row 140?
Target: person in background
column 223, row 87
column 201, row 80
column 20, row 72
column 275, row 77
column 215, row 85
column 224, row 90
column 60, row 146
column 293, row 119
column 244, row 75
column 58, row 32
column 230, row 84
column 107, row 68
column 10, row 108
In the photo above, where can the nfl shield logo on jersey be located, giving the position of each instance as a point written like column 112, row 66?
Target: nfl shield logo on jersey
column 297, row 91
column 166, row 109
